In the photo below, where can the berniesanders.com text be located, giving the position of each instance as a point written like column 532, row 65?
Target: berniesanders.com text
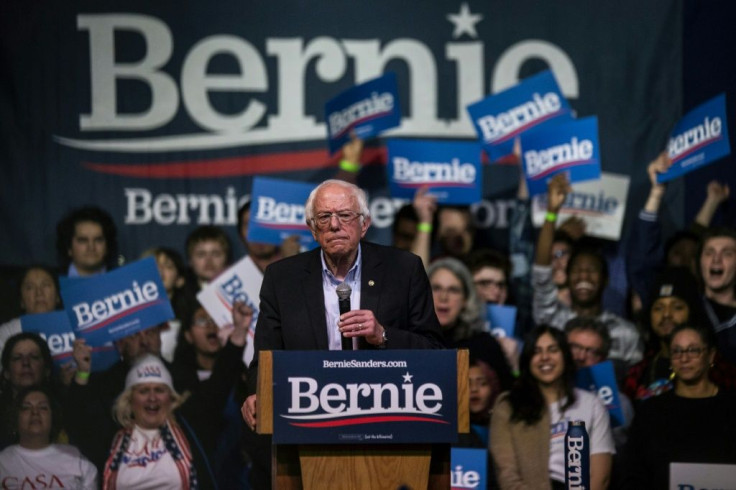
column 354, row 363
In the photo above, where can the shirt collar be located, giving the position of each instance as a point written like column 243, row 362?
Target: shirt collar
column 351, row 273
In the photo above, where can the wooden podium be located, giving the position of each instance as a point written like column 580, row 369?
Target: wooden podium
column 358, row 466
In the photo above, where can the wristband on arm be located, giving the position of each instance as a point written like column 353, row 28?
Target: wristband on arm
column 348, row 166
column 425, row 227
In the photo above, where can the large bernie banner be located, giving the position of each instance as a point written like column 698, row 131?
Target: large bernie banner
column 163, row 113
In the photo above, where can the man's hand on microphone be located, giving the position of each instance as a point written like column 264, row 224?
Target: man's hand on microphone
column 361, row 323
column 249, row 411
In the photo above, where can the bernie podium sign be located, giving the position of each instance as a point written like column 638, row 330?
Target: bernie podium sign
column 364, row 397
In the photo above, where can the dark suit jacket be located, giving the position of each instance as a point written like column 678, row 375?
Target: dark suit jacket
column 394, row 286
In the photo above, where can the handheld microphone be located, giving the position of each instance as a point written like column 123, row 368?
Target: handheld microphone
column 343, row 300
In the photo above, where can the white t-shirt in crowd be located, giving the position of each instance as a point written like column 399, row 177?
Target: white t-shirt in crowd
column 146, row 464
column 55, row 466
column 589, row 409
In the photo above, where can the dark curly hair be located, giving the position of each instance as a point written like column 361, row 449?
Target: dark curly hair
column 65, row 230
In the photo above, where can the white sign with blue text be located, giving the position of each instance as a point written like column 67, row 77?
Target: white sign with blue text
column 570, row 147
column 501, row 117
column 450, row 170
column 601, row 204
column 241, row 282
column 277, row 212
column 702, row 476
column 699, row 138
column 366, row 110
column 55, row 329
column 116, row 304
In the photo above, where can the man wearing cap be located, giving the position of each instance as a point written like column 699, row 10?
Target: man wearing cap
column 675, row 300
column 391, row 297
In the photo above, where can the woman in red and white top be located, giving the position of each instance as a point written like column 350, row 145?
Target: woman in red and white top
column 157, row 448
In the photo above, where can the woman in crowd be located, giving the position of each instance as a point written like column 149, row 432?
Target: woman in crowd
column 529, row 423
column 675, row 300
column 34, row 461
column 26, row 361
column 158, row 447
column 197, row 347
column 693, row 423
column 198, row 354
column 462, row 317
column 39, row 293
column 483, row 390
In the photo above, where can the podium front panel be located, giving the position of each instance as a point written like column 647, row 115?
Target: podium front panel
column 365, row 397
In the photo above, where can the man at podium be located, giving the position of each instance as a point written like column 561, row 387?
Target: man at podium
column 389, row 291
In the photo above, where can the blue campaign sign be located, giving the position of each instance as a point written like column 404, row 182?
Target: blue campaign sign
column 371, row 397
column 699, row 138
column 116, row 304
column 501, row 117
column 600, row 379
column 501, row 320
column 468, row 468
column 55, row 328
column 570, row 147
column 367, row 110
column 277, row 211
column 451, row 170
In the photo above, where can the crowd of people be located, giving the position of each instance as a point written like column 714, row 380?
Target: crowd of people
column 168, row 413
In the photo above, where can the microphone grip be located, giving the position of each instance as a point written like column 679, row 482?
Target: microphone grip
column 344, row 304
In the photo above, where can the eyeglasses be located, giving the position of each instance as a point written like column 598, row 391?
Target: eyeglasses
column 587, row 351
column 323, row 220
column 558, row 254
column 486, row 283
column 203, row 322
column 693, row 352
column 452, row 290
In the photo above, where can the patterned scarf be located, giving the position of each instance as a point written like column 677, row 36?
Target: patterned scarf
column 176, row 444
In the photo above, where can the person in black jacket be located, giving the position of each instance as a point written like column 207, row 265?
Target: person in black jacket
column 692, row 423
column 205, row 367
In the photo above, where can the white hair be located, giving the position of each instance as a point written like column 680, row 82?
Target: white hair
column 355, row 191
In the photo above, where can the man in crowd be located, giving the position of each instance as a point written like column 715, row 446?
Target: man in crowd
column 208, row 251
column 86, row 242
column 718, row 270
column 491, row 272
column 589, row 341
column 587, row 276
column 299, row 304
